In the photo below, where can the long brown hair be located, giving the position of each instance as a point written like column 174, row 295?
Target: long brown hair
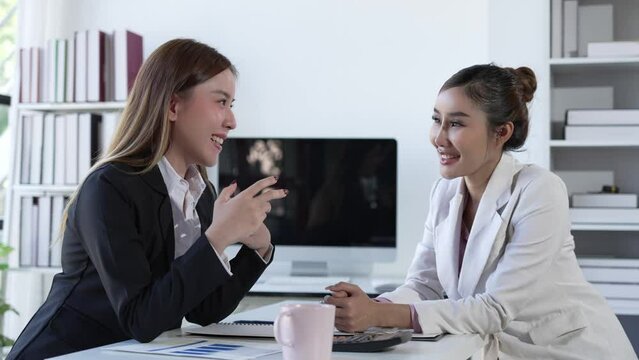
column 143, row 132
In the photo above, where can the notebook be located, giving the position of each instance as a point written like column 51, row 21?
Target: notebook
column 260, row 329
column 264, row 329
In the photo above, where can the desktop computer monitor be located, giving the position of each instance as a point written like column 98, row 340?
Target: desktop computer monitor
column 340, row 215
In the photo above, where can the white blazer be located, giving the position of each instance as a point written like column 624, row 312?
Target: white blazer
column 520, row 284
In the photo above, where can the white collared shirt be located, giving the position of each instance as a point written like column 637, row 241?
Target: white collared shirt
column 184, row 194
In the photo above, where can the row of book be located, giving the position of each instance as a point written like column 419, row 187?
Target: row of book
column 92, row 66
column 586, row 113
column 614, row 278
column 586, row 30
column 40, row 219
column 59, row 149
column 610, row 124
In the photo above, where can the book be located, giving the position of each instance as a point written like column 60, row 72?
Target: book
column 608, row 262
column 613, row 49
column 87, row 142
column 69, row 95
column 57, row 207
column 52, row 59
column 611, row 275
column 603, row 200
column 36, row 75
column 596, row 133
column 570, row 28
column 61, row 70
column 583, row 97
column 266, row 329
column 128, row 60
column 25, row 155
column 80, row 66
column 44, row 231
column 107, row 129
column 556, row 13
column 48, row 149
column 603, row 117
column 27, row 221
column 604, row 216
column 95, row 65
column 109, row 90
column 263, row 329
column 618, row 291
column 25, row 75
column 37, row 133
column 594, row 25
column 59, row 163
column 71, row 149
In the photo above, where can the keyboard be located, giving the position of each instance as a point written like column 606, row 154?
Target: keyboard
column 311, row 281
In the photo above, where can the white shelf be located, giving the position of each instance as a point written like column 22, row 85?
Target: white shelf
column 38, row 269
column 605, row 227
column 624, row 307
column 44, row 189
column 71, row 107
column 590, row 144
column 578, row 65
column 594, row 61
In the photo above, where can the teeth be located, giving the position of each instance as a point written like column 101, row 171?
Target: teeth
column 217, row 139
column 446, row 156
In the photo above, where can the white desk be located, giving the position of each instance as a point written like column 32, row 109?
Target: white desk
column 450, row 347
column 317, row 288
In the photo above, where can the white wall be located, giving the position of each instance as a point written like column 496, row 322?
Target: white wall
column 359, row 68
column 516, row 40
column 322, row 68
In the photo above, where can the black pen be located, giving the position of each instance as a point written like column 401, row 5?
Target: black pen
column 257, row 322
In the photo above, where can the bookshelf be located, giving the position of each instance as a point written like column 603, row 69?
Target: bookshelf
column 71, row 90
column 610, row 82
column 73, row 107
column 18, row 190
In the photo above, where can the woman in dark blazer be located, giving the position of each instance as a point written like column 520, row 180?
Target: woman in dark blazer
column 142, row 247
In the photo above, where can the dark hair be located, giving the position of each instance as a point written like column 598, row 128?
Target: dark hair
column 502, row 93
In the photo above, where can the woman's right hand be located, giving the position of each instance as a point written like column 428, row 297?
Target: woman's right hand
column 240, row 216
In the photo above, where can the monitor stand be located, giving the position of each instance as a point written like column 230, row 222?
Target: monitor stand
column 321, row 268
column 309, row 268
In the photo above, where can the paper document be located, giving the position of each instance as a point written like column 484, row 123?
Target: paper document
column 193, row 347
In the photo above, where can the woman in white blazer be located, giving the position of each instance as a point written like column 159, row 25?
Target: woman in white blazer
column 497, row 257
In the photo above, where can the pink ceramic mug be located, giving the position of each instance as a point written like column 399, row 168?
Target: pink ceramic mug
column 305, row 331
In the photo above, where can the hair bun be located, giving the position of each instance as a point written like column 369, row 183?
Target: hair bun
column 527, row 80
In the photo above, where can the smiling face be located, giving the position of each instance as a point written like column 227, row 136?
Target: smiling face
column 201, row 121
column 465, row 143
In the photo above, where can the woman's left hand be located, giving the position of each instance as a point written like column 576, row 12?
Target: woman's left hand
column 355, row 311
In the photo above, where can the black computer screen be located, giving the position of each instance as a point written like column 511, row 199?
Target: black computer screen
column 342, row 192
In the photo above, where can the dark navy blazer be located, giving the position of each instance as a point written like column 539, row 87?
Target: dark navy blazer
column 119, row 277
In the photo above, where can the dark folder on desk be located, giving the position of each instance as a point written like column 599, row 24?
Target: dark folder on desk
column 234, row 329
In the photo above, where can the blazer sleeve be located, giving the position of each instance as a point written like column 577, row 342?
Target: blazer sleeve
column 422, row 282
column 247, row 266
column 539, row 225
column 104, row 218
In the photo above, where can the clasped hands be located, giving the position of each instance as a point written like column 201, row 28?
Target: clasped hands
column 240, row 218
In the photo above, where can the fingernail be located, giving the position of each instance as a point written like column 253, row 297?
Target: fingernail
column 234, row 182
column 276, row 177
column 285, row 191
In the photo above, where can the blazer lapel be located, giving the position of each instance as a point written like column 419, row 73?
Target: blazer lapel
column 165, row 214
column 447, row 244
column 204, row 208
column 486, row 226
